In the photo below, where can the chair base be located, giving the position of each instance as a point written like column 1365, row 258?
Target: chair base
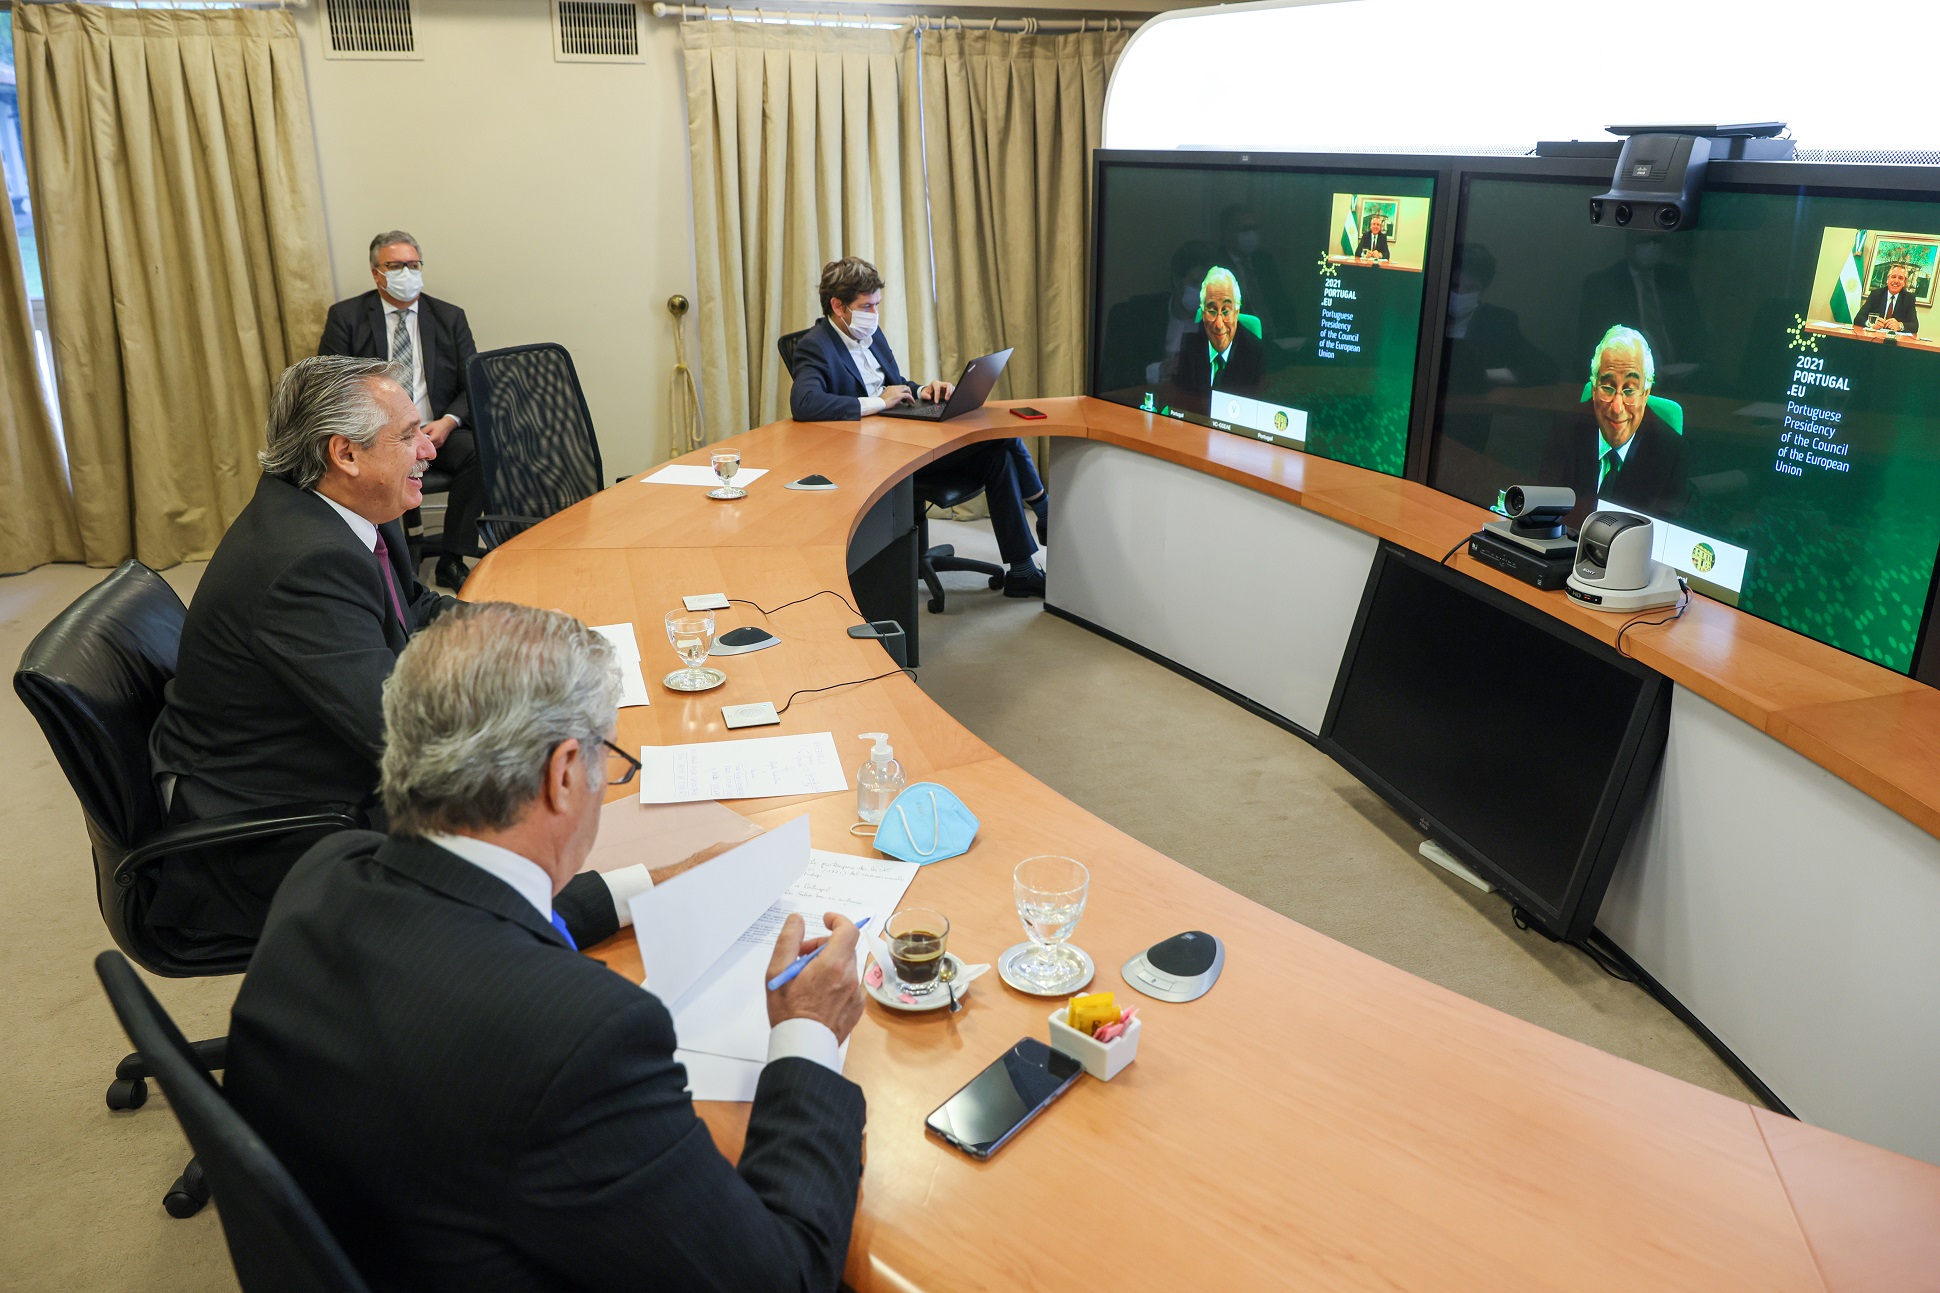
column 129, row 1090
column 944, row 557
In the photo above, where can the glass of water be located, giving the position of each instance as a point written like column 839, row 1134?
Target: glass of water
column 726, row 463
column 1050, row 894
column 692, row 636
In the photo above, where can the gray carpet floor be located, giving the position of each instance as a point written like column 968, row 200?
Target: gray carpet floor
column 1198, row 778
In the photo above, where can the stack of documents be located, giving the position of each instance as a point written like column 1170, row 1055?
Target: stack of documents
column 752, row 769
column 633, row 686
column 707, row 936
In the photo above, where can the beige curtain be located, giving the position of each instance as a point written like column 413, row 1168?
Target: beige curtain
column 36, row 514
column 1009, row 123
column 181, row 232
column 806, row 146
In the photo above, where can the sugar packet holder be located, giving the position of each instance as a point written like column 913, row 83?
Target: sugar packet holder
column 1103, row 1060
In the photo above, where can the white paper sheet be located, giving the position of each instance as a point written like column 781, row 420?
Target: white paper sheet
column 717, row 1077
column 756, row 768
column 725, row 1013
column 686, row 925
column 633, row 684
column 701, row 474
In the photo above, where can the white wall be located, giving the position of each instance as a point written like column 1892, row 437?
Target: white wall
column 552, row 199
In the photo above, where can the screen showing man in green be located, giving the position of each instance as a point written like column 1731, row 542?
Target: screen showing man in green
column 1789, row 451
column 1223, row 297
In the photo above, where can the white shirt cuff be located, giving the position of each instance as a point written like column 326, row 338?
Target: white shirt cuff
column 872, row 404
column 807, row 1039
column 624, row 884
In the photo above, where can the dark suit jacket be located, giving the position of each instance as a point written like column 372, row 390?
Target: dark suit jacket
column 1245, row 363
column 1370, row 242
column 828, row 386
column 471, row 1106
column 1652, row 478
column 356, row 327
column 1609, row 297
column 1906, row 309
column 278, row 686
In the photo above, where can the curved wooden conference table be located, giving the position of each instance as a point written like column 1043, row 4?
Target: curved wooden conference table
column 1320, row 1120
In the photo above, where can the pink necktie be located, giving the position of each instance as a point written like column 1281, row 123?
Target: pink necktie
column 383, row 554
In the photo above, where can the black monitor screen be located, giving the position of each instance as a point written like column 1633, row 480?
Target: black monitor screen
column 1763, row 387
column 1273, row 303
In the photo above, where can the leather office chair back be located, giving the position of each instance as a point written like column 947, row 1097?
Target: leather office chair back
column 785, row 346
column 537, row 452
column 276, row 1239
column 93, row 680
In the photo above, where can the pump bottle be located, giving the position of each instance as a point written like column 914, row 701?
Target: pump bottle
column 879, row 781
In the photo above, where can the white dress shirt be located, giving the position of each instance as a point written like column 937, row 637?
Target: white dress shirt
column 871, row 369
column 420, row 392
column 807, row 1039
column 360, row 526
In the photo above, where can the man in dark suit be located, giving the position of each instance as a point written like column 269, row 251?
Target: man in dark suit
column 431, row 339
column 467, row 1102
column 1653, row 294
column 844, row 370
column 294, row 627
column 1374, row 239
column 1227, row 356
column 1896, row 308
column 1614, row 447
column 1144, row 334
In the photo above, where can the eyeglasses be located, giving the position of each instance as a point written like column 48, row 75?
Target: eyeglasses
column 1609, row 390
column 632, row 765
column 1226, row 310
column 391, row 266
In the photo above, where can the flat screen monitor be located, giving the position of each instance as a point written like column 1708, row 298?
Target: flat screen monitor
column 1275, row 302
column 1765, row 387
column 1523, row 746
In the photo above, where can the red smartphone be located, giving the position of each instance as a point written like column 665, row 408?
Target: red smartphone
column 1029, row 414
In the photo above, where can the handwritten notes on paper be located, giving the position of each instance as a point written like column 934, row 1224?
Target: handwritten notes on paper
column 765, row 766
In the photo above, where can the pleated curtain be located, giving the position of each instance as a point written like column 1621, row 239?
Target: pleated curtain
column 36, row 514
column 806, row 146
column 181, row 232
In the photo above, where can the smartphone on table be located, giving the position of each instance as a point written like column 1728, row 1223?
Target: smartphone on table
column 994, row 1105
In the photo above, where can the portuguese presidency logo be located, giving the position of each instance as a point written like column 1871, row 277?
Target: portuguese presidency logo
column 1280, row 421
column 1703, row 557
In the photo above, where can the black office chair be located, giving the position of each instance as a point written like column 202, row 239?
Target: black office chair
column 536, row 448
column 435, row 483
column 936, row 486
column 93, row 680
column 276, row 1239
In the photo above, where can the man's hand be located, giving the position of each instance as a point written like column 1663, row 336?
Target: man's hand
column 895, row 395
column 827, row 990
column 1894, row 325
column 441, row 429
column 937, row 392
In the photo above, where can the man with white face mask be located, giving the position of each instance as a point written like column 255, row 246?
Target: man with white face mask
column 432, row 339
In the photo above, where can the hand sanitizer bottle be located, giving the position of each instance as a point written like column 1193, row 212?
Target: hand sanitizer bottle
column 879, row 781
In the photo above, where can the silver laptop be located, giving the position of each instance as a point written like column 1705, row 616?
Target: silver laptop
column 972, row 390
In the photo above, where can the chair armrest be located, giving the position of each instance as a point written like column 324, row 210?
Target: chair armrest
column 514, row 520
column 233, row 828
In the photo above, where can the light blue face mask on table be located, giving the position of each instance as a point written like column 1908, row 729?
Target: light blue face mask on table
column 926, row 823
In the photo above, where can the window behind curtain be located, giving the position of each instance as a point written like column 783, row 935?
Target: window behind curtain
column 13, row 161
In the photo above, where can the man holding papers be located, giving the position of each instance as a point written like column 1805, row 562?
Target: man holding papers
column 470, row 1104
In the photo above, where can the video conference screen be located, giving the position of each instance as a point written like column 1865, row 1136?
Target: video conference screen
column 1762, row 387
column 1279, row 305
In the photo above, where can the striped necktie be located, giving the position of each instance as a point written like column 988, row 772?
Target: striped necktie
column 401, row 352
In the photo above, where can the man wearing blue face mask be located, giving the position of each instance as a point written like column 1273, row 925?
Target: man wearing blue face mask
column 431, row 338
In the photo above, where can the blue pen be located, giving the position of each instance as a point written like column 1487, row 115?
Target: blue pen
column 787, row 976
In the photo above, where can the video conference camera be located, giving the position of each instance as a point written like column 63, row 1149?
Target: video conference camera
column 1660, row 172
column 1538, row 510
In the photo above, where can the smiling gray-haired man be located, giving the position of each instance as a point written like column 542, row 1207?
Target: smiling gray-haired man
column 297, row 622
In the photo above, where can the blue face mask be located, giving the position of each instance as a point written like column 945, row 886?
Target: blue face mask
column 926, row 823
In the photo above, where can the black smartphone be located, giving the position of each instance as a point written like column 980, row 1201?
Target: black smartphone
column 994, row 1105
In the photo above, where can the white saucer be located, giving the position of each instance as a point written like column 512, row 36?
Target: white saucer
column 1006, row 968
column 939, row 998
column 716, row 676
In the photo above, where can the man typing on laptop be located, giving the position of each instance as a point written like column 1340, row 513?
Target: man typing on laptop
column 844, row 370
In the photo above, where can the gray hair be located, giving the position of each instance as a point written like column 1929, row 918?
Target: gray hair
column 1622, row 336
column 388, row 237
column 1219, row 274
column 477, row 704
column 320, row 397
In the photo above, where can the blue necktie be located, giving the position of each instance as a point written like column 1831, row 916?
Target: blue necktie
column 559, row 923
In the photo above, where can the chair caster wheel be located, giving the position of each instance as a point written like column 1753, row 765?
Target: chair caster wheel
column 996, row 582
column 936, row 605
column 181, row 1204
column 190, row 1191
column 128, row 1093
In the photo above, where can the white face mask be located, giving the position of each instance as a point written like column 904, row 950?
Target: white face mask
column 1463, row 304
column 404, row 284
column 862, row 325
column 1248, row 242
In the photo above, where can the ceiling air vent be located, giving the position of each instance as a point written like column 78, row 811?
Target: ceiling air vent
column 596, row 31
column 369, row 29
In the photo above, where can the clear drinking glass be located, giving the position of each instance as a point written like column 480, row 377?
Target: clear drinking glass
column 692, row 636
column 1050, row 894
column 726, row 463
column 918, row 939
